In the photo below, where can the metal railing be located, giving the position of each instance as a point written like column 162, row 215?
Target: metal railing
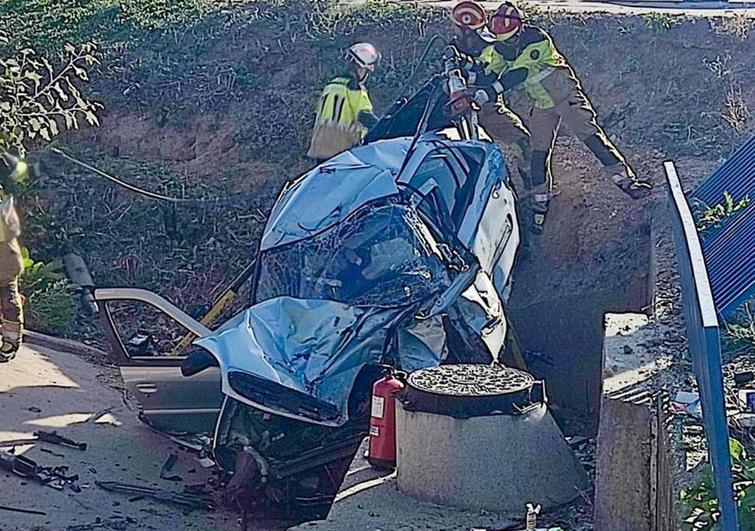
column 703, row 337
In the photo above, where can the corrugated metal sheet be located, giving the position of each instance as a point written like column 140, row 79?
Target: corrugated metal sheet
column 736, row 176
column 730, row 250
column 731, row 262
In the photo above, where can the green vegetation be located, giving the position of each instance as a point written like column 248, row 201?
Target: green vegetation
column 60, row 21
column 736, row 110
column 737, row 25
column 50, row 305
column 714, row 216
column 214, row 97
column 701, row 501
column 38, row 100
column 742, row 329
column 108, row 21
column 660, row 22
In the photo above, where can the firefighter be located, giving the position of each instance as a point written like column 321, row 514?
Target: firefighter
column 469, row 19
column 344, row 111
column 11, row 263
column 520, row 54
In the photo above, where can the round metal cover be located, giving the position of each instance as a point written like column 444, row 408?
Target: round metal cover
column 471, row 380
column 471, row 390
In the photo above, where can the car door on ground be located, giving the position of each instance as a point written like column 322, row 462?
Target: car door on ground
column 148, row 335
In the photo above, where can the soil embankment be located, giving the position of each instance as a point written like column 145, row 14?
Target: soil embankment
column 221, row 103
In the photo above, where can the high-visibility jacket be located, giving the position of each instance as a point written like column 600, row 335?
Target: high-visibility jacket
column 10, row 226
column 337, row 122
column 529, row 60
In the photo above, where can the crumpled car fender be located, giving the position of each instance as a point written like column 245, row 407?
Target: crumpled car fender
column 299, row 358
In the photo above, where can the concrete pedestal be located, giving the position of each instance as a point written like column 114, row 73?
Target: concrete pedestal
column 495, row 462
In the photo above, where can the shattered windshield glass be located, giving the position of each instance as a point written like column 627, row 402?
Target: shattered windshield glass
column 383, row 255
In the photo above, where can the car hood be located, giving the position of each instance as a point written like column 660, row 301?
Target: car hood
column 299, row 358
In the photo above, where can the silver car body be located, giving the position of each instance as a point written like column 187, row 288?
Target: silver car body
column 479, row 205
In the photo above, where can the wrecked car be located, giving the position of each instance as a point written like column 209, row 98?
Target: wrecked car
column 397, row 252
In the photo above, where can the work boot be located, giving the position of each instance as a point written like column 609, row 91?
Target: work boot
column 7, row 351
column 539, row 210
column 627, row 182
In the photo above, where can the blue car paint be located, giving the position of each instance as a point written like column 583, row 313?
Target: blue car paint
column 310, row 345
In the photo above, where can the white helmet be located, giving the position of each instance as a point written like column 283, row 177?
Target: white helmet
column 364, row 55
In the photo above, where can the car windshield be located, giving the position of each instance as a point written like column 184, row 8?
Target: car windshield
column 382, row 255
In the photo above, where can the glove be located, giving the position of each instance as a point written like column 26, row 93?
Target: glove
column 479, row 96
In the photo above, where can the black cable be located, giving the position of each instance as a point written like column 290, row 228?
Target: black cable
column 422, row 125
column 418, row 62
column 217, row 202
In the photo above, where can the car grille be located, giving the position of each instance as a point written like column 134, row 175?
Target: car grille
column 276, row 396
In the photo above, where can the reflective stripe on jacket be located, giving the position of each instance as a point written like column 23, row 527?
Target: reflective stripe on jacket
column 337, row 126
column 534, row 54
column 340, row 105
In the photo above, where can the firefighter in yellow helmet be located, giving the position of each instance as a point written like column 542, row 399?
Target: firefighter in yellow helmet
column 522, row 55
column 344, row 111
column 11, row 264
column 469, row 20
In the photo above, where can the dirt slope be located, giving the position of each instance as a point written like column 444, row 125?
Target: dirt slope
column 224, row 106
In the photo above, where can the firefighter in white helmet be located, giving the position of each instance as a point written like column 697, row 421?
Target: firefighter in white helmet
column 344, row 111
column 12, row 170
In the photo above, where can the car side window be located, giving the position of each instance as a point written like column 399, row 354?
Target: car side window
column 145, row 331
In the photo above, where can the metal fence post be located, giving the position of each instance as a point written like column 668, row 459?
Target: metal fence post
column 703, row 336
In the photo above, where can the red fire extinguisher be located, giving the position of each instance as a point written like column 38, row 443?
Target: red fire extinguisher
column 382, row 449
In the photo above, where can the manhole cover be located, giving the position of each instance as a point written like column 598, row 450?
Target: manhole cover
column 471, row 390
column 471, row 380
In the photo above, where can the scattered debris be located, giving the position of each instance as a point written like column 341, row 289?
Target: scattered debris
column 48, row 437
column 532, row 512
column 197, row 443
column 95, row 416
column 190, row 501
column 577, row 441
column 48, row 451
column 206, row 462
column 53, row 438
column 743, row 378
column 113, row 522
column 18, row 442
column 530, row 523
column 197, row 488
column 19, row 510
column 54, row 477
column 167, row 467
column 689, row 403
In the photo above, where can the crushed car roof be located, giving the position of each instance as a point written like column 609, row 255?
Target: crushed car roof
column 330, row 192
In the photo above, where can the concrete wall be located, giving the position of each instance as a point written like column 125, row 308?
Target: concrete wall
column 634, row 488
